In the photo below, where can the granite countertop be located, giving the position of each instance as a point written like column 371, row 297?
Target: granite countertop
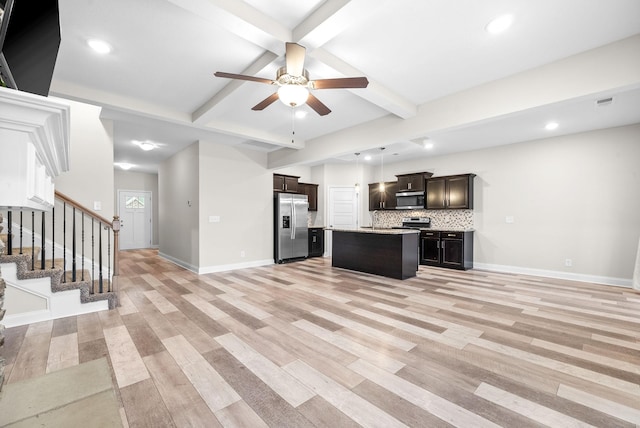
column 451, row 229
column 380, row 231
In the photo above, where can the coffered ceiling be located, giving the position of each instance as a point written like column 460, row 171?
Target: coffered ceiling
column 157, row 83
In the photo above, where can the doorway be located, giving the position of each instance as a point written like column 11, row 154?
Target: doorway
column 134, row 208
column 343, row 211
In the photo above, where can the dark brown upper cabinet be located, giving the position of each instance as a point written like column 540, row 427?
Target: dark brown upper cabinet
column 454, row 192
column 383, row 200
column 412, row 182
column 311, row 190
column 285, row 183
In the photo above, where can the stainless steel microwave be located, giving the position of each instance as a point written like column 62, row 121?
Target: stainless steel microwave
column 410, row 200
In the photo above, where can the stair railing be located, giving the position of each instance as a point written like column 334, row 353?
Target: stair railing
column 64, row 231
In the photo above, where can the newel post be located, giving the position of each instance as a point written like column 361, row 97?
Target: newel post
column 115, row 226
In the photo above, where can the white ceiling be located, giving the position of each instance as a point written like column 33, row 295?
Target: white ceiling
column 157, row 84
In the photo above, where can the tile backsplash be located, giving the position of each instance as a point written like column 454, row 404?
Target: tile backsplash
column 440, row 219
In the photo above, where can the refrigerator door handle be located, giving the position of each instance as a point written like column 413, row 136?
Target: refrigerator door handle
column 293, row 216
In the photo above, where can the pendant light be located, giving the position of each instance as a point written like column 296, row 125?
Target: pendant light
column 381, row 186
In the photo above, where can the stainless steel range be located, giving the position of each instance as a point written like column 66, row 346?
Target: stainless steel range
column 418, row 223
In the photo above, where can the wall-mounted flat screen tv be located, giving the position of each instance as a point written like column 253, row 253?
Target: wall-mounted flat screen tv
column 29, row 42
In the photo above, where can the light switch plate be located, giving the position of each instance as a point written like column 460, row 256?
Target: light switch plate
column 97, row 205
column 214, row 219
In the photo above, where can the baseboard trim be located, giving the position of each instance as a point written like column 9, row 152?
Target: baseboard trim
column 27, row 318
column 235, row 266
column 179, row 262
column 618, row 282
column 217, row 268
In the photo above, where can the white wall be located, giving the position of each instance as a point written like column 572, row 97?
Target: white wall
column 90, row 175
column 572, row 197
column 129, row 180
column 236, row 186
column 178, row 207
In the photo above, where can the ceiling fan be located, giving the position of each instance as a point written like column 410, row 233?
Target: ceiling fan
column 294, row 84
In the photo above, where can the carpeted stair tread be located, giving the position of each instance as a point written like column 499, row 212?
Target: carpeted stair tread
column 23, row 264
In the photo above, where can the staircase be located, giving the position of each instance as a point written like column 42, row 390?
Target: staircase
column 59, row 263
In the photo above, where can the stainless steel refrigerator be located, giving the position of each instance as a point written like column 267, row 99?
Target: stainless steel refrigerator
column 291, row 231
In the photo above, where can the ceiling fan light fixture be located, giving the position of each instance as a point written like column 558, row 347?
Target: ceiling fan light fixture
column 293, row 95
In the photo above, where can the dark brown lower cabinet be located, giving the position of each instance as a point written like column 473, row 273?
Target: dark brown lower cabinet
column 387, row 254
column 316, row 242
column 452, row 249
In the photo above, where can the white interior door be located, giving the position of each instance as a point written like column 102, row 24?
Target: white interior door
column 343, row 211
column 134, row 208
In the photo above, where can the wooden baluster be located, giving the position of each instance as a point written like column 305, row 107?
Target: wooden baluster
column 43, row 241
column 64, row 240
column 109, row 259
column 33, row 240
column 116, row 256
column 53, row 238
column 100, row 257
column 93, row 258
column 82, row 243
column 73, row 246
column 10, row 233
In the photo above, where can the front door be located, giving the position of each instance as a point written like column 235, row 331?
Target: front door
column 134, row 207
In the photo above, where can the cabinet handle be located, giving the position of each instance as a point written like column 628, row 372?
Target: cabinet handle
column 409, row 186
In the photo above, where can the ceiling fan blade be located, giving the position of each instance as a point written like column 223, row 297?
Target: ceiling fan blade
column 346, row 82
column 317, row 105
column 294, row 58
column 266, row 102
column 243, row 77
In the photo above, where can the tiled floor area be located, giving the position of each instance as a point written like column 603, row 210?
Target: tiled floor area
column 303, row 345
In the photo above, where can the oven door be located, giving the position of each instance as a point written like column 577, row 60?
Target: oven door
column 410, row 200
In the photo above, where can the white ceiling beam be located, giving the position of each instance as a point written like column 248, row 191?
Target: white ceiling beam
column 241, row 19
column 133, row 107
column 614, row 66
column 327, row 22
column 204, row 113
column 375, row 93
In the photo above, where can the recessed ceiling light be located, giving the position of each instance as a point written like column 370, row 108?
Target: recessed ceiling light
column 367, row 157
column 145, row 145
column 499, row 24
column 551, row 126
column 100, row 46
column 428, row 145
column 123, row 165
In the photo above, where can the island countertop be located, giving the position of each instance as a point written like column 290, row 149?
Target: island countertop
column 380, row 231
column 388, row 252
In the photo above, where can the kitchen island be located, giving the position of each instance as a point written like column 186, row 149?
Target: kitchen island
column 387, row 252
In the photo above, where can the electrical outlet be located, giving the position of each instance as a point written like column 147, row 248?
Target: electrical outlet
column 509, row 219
column 568, row 262
column 241, row 253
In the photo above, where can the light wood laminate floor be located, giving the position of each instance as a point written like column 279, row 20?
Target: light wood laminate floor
column 303, row 344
